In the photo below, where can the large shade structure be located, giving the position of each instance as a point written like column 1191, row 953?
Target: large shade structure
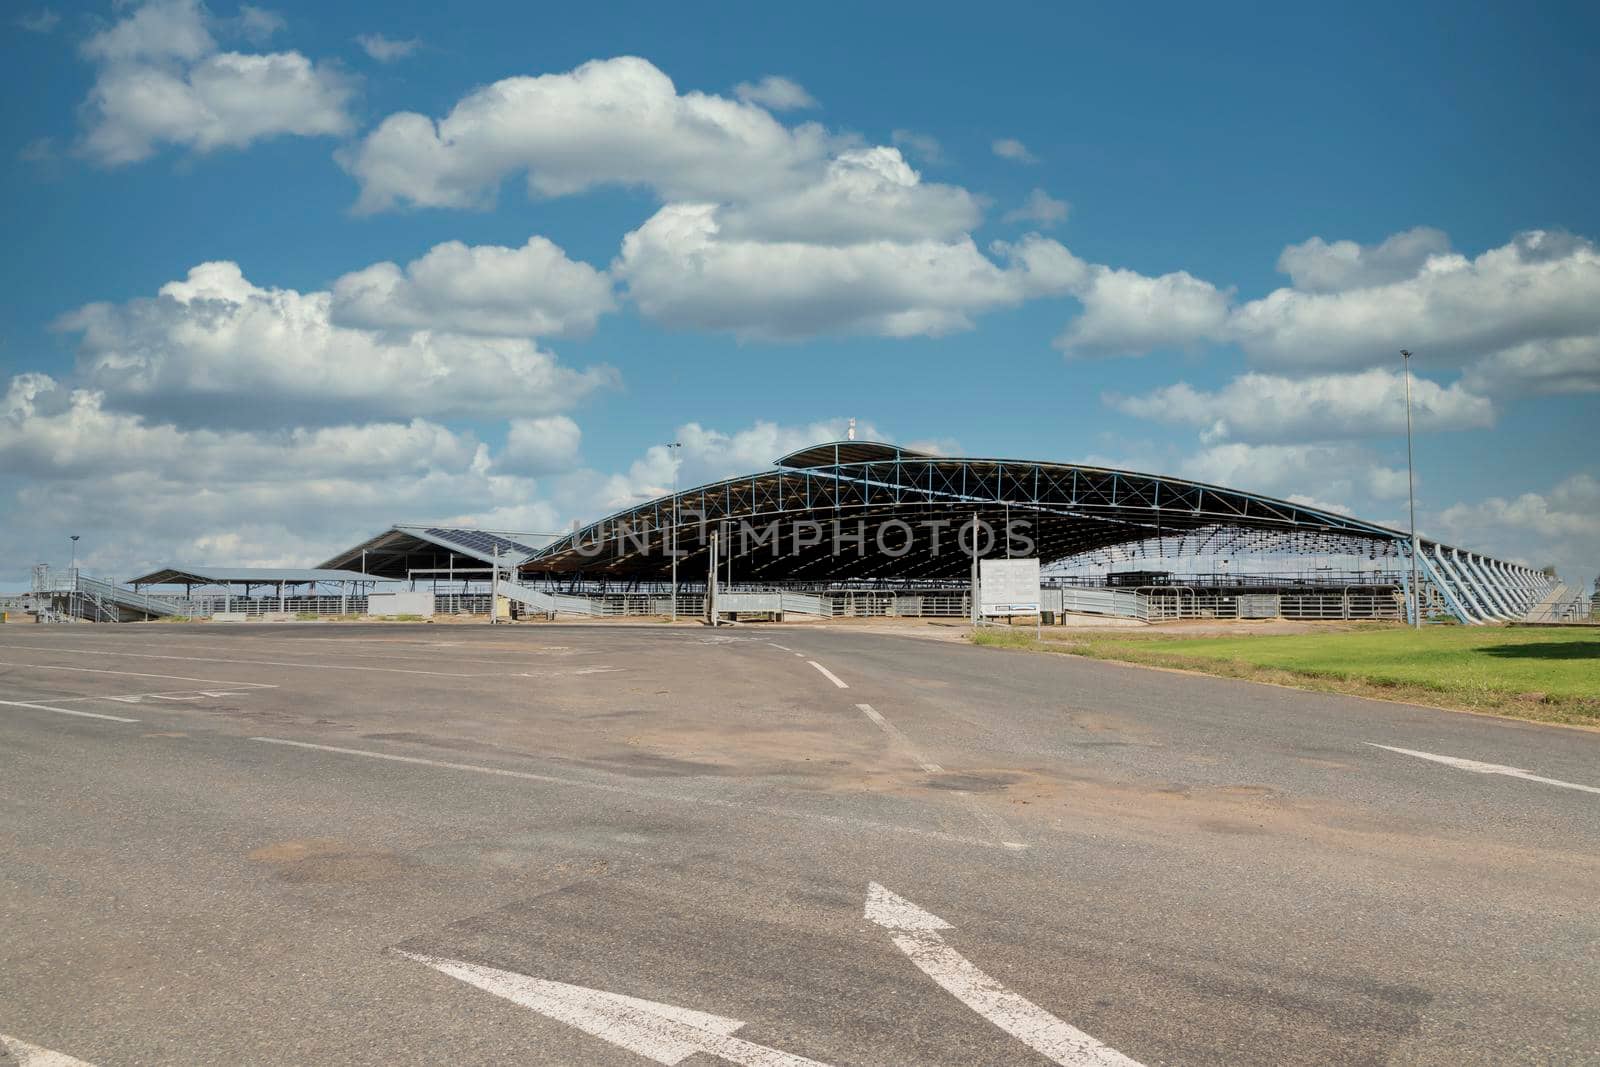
column 861, row 510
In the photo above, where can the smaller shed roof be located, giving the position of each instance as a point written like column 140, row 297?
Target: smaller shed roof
column 420, row 539
column 202, row 574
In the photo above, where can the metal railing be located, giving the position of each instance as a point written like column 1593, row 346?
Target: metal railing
column 1575, row 609
column 69, row 595
column 66, row 594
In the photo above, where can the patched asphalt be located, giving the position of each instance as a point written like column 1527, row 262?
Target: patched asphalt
column 1212, row 871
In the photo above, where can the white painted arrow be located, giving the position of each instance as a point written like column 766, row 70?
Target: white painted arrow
column 182, row 696
column 1477, row 767
column 916, row 933
column 27, row 1055
column 665, row 1033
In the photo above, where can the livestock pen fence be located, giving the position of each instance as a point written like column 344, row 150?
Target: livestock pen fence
column 1147, row 605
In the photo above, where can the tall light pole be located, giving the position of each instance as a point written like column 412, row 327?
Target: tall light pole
column 1411, row 490
column 672, row 450
column 74, row 538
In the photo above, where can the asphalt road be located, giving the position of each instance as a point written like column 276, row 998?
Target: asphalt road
column 450, row 844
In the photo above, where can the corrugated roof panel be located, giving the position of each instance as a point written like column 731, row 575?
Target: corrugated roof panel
column 225, row 575
column 848, row 452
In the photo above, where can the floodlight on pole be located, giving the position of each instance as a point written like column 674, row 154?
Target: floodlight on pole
column 673, row 450
column 1411, row 491
column 74, row 539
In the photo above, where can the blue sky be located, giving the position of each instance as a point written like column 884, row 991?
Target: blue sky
column 1176, row 238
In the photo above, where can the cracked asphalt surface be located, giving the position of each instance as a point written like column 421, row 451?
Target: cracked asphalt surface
column 216, row 842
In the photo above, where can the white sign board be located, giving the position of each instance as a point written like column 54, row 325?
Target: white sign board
column 386, row 604
column 1008, row 587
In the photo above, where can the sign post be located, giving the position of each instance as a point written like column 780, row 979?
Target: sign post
column 1009, row 587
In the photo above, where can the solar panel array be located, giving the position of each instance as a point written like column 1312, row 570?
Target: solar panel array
column 482, row 543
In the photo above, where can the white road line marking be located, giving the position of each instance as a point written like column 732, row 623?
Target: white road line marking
column 255, row 662
column 1486, row 768
column 286, row 647
column 901, row 739
column 829, row 675
column 916, row 933
column 996, row 825
column 785, row 648
column 665, row 1033
column 27, row 1055
column 136, row 674
column 139, row 698
column 649, row 794
column 65, row 711
column 565, row 672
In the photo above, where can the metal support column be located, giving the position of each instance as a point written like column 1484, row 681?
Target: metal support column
column 1463, row 605
column 1427, row 569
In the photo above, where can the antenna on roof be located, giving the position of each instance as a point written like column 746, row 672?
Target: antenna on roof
column 850, row 434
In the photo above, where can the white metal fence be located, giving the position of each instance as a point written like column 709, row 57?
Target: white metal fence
column 1146, row 604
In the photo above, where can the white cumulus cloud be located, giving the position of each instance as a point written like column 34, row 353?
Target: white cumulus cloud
column 708, row 455
column 1012, row 149
column 1040, row 208
column 765, row 230
column 1541, row 286
column 1563, row 365
column 1127, row 313
column 683, row 272
column 1318, row 266
column 609, row 122
column 387, row 49
column 540, row 446
column 1558, row 525
column 161, row 80
column 534, row 290
column 862, row 195
column 1268, row 408
column 146, row 492
column 776, row 93
column 1520, row 318
column 216, row 347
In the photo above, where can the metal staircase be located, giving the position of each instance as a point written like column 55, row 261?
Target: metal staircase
column 72, row 596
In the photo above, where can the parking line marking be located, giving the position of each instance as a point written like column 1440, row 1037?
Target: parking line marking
column 28, row 1055
column 135, row 674
column 901, row 739
column 65, row 711
column 286, row 647
column 253, row 662
column 829, row 675
column 1477, row 767
column 997, row 826
column 140, row 698
column 650, row 794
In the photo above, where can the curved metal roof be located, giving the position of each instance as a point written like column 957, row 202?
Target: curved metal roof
column 204, row 574
column 834, row 452
column 1070, row 510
